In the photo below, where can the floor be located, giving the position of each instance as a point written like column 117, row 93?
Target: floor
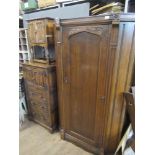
column 36, row 140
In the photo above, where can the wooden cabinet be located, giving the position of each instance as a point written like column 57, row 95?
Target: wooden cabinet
column 41, row 93
column 41, row 40
column 95, row 60
column 40, row 74
column 40, row 31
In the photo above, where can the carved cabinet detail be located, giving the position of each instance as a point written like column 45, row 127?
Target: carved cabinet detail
column 40, row 84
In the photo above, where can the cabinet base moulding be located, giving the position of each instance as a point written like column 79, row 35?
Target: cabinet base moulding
column 51, row 129
column 82, row 144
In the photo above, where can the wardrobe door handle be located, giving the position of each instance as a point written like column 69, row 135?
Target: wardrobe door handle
column 102, row 99
column 65, row 79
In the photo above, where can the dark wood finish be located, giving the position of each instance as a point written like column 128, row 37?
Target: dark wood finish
column 41, row 94
column 130, row 101
column 94, row 60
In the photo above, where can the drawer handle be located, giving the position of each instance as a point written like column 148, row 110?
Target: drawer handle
column 42, row 107
column 33, row 93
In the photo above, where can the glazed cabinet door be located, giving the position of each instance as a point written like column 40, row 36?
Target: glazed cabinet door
column 84, row 65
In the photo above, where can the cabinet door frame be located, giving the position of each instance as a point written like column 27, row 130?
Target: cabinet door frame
column 114, row 57
column 31, row 32
column 98, row 31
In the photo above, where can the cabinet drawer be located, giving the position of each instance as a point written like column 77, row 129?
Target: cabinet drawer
column 45, row 117
column 36, row 76
column 34, row 110
column 35, row 88
column 44, row 113
column 38, row 96
column 40, row 111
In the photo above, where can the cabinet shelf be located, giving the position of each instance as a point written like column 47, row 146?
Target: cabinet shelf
column 22, row 44
column 23, row 51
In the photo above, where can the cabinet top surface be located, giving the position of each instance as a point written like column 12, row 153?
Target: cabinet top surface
column 35, row 19
column 106, row 18
column 41, row 65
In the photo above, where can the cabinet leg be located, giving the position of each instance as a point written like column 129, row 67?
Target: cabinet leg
column 30, row 118
column 101, row 151
column 51, row 130
column 62, row 134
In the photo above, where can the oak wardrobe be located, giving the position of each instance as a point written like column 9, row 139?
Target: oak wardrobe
column 94, row 62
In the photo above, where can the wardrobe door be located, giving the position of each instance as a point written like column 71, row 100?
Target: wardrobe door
column 84, row 63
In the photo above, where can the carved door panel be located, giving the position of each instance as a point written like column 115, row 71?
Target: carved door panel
column 40, row 27
column 32, row 32
column 84, row 66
